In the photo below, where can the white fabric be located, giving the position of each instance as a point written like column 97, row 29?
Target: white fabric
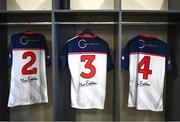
column 145, row 97
column 24, row 91
column 88, row 93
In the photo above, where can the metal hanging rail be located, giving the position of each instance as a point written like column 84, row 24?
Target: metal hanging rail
column 58, row 23
column 85, row 23
column 149, row 23
column 26, row 23
column 89, row 23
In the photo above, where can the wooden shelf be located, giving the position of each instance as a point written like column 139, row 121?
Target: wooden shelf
column 86, row 11
column 151, row 15
column 25, row 11
column 150, row 12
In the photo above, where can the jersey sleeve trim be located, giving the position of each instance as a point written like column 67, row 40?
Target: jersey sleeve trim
column 87, row 53
column 151, row 54
column 29, row 33
column 71, row 39
column 147, row 36
column 87, row 36
column 28, row 49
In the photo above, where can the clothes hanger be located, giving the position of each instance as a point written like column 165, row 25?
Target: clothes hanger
column 29, row 31
column 87, row 31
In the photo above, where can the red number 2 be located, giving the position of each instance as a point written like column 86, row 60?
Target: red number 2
column 90, row 59
column 25, row 70
column 145, row 71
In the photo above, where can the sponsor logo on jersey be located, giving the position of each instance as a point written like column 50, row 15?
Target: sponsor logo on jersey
column 24, row 40
column 143, row 44
column 83, row 44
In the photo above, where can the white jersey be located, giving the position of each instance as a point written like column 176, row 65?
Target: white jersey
column 27, row 57
column 88, row 59
column 147, row 59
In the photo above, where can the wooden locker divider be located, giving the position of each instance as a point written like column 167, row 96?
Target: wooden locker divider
column 4, row 84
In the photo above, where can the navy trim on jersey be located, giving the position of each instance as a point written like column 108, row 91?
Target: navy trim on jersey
column 28, row 41
column 84, row 44
column 146, row 44
column 87, row 45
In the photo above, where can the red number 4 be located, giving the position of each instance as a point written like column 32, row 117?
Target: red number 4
column 88, row 65
column 145, row 71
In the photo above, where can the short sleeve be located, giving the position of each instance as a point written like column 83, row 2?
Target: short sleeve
column 109, row 60
column 64, row 57
column 125, row 58
column 168, row 61
column 10, row 55
column 10, row 52
column 48, row 57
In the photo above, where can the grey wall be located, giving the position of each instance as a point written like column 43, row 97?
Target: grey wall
column 173, row 78
column 173, row 4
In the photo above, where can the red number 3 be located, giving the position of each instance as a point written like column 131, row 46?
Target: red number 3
column 90, row 59
column 25, row 70
column 146, row 71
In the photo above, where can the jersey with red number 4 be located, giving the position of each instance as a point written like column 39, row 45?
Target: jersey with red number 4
column 147, row 59
column 88, row 58
column 28, row 57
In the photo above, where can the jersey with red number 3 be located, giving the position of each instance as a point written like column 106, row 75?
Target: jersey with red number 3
column 28, row 57
column 147, row 59
column 88, row 59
